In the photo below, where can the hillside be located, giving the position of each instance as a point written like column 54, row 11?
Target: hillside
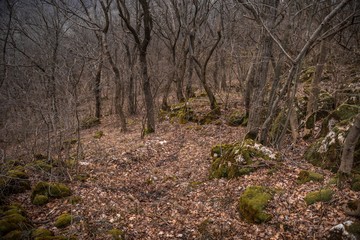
column 159, row 188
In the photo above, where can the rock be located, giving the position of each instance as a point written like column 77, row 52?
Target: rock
column 326, row 151
column 307, row 176
column 236, row 119
column 324, row 195
column 63, row 220
column 233, row 160
column 348, row 230
column 252, row 203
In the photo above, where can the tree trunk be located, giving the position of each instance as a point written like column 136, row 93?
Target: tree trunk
column 347, row 157
column 312, row 104
column 150, row 126
column 97, row 91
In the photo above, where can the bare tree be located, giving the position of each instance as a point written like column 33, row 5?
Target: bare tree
column 142, row 42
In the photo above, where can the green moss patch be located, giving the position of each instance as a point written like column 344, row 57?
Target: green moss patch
column 89, row 122
column 63, row 220
column 233, row 160
column 117, row 234
column 13, row 222
column 307, row 176
column 15, row 180
column 98, row 134
column 51, row 190
column 40, row 233
column 41, row 165
column 40, row 200
column 324, row 195
column 252, row 203
column 236, row 119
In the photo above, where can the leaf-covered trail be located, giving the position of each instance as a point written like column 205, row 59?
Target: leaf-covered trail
column 158, row 188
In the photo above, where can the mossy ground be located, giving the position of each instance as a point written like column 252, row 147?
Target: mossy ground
column 307, row 176
column 252, row 204
column 13, row 222
column 236, row 118
column 324, row 195
column 89, row 122
column 50, row 190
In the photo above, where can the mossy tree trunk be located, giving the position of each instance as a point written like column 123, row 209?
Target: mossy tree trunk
column 347, row 157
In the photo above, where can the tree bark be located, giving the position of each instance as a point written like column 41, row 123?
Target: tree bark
column 347, row 157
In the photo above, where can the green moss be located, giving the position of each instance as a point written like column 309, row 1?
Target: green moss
column 355, row 186
column 354, row 229
column 11, row 222
column 210, row 117
column 40, row 200
column 233, row 160
column 41, row 232
column 14, row 181
column 82, row 177
column 98, row 134
column 148, row 131
column 55, row 190
column 55, row 238
column 236, row 119
column 70, row 141
column 13, row 235
column 345, row 111
column 89, row 122
column 117, row 234
column 307, row 74
column 41, row 165
column 307, row 176
column 75, row 199
column 252, row 203
column 63, row 220
column 324, row 195
column 221, row 149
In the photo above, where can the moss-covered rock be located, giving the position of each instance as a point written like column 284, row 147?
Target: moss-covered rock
column 252, row 204
column 41, row 232
column 51, row 190
column 41, row 165
column 98, row 134
column 233, row 160
column 13, row 235
column 326, row 151
column 40, row 200
column 236, row 118
column 117, row 234
column 346, row 230
column 63, row 220
column 307, row 176
column 13, row 222
column 210, row 117
column 324, row 195
column 307, row 74
column 14, row 180
column 89, row 122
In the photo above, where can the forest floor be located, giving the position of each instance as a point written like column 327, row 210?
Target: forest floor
column 158, row 187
